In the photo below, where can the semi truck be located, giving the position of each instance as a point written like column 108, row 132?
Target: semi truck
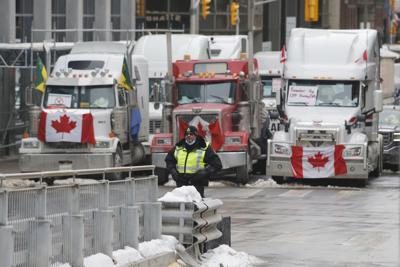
column 331, row 103
column 154, row 49
column 92, row 115
column 223, row 100
column 228, row 46
column 270, row 71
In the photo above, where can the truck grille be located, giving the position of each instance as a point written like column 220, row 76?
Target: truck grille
column 316, row 138
column 66, row 145
column 154, row 125
column 387, row 138
column 189, row 117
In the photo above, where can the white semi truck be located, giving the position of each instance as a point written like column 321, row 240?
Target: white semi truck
column 270, row 71
column 86, row 118
column 332, row 101
column 228, row 46
column 154, row 49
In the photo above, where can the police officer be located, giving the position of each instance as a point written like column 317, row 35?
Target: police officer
column 191, row 161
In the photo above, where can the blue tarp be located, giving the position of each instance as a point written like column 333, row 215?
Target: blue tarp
column 136, row 120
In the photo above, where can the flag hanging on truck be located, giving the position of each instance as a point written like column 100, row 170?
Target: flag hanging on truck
column 61, row 126
column 318, row 162
column 125, row 79
column 41, row 76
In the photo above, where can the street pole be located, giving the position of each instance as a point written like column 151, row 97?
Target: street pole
column 365, row 13
column 194, row 16
column 237, row 22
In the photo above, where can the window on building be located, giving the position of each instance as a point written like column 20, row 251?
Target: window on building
column 88, row 19
column 23, row 20
column 58, row 19
column 116, row 19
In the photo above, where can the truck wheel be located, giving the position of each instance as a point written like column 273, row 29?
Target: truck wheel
column 117, row 162
column 242, row 175
column 394, row 168
column 378, row 170
column 278, row 179
column 162, row 175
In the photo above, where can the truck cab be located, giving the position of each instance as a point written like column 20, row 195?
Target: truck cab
column 87, row 118
column 331, row 101
column 215, row 96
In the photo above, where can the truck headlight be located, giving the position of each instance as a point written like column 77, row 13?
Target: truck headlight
column 396, row 137
column 163, row 141
column 233, row 140
column 102, row 144
column 281, row 149
column 30, row 144
column 352, row 152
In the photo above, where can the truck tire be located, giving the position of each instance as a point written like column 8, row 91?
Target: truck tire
column 378, row 170
column 162, row 175
column 242, row 175
column 117, row 162
column 278, row 179
column 394, row 168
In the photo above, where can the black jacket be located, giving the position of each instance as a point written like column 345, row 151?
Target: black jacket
column 210, row 157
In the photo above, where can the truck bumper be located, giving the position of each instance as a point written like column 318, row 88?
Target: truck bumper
column 228, row 159
column 392, row 155
column 282, row 167
column 54, row 162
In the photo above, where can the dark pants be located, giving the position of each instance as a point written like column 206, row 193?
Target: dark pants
column 187, row 179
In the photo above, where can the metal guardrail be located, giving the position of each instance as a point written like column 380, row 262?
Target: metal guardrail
column 46, row 225
column 192, row 223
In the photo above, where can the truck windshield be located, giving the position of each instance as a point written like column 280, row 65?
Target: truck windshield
column 222, row 92
column 323, row 93
column 100, row 96
column 267, row 86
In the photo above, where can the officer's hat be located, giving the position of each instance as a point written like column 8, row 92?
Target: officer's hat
column 191, row 129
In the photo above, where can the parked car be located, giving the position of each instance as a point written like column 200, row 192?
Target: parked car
column 389, row 127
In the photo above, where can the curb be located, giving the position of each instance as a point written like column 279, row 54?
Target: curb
column 160, row 260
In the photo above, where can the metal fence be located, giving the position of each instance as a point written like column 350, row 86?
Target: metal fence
column 192, row 223
column 47, row 225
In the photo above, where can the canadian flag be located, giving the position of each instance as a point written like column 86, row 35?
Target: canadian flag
column 363, row 58
column 210, row 131
column 317, row 162
column 63, row 126
column 283, row 55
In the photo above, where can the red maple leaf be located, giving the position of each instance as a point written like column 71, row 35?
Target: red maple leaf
column 318, row 160
column 64, row 125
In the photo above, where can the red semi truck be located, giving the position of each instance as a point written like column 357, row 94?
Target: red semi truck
column 223, row 100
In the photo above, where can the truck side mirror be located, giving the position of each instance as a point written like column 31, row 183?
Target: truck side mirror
column 378, row 99
column 361, row 118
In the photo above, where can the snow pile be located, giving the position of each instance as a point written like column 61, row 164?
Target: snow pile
column 223, row 184
column 226, row 256
column 77, row 181
column 182, row 194
column 157, row 246
column 98, row 260
column 21, row 183
column 127, row 255
column 170, row 183
column 263, row 183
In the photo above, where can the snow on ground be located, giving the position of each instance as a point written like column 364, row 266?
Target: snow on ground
column 126, row 255
column 165, row 244
column 182, row 194
column 264, row 183
column 20, row 183
column 77, row 181
column 227, row 256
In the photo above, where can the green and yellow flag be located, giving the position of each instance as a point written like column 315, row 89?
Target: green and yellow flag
column 41, row 76
column 125, row 80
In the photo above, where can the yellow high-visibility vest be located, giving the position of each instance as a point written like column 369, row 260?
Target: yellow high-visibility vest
column 194, row 159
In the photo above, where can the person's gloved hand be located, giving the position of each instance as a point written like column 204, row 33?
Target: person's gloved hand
column 175, row 174
column 201, row 177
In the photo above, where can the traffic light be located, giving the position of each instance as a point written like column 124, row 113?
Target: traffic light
column 140, row 8
column 311, row 10
column 205, row 8
column 234, row 13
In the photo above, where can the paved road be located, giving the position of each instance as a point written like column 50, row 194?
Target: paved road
column 316, row 226
column 302, row 225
